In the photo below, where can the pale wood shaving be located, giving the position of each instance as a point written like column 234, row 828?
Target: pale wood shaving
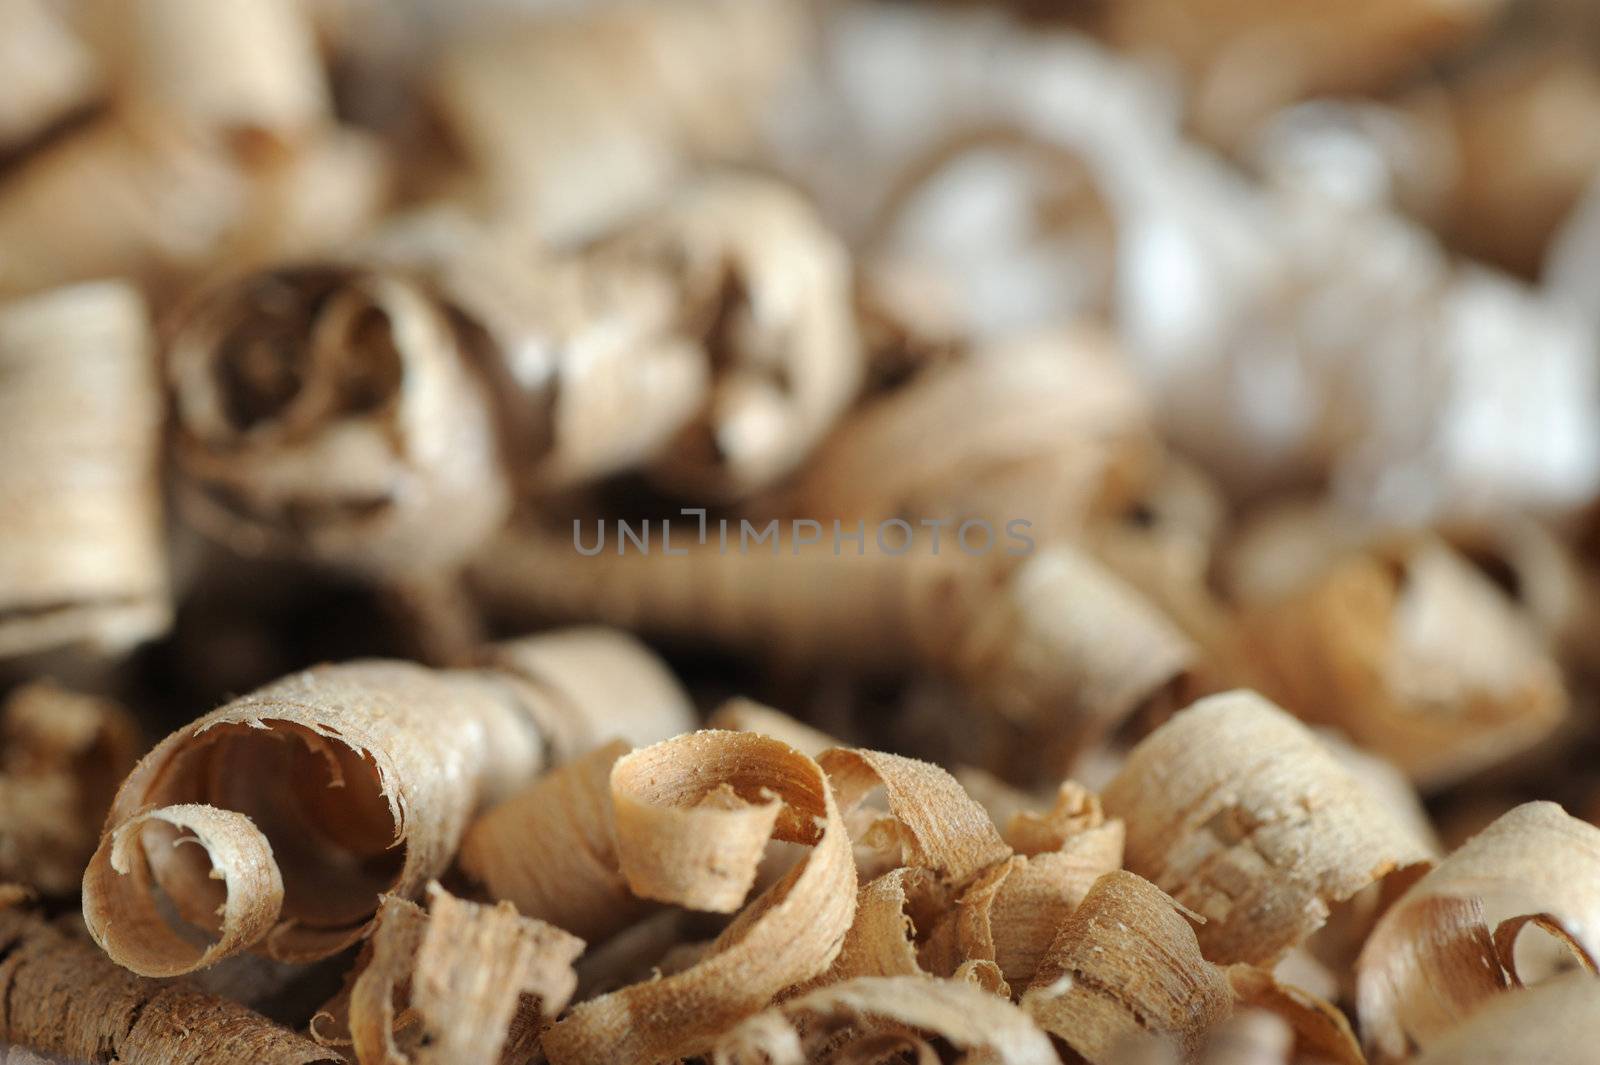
column 79, row 406
column 473, row 979
column 332, row 413
column 1126, row 962
column 669, row 799
column 1556, row 1023
column 1235, row 808
column 328, row 788
column 1050, row 429
column 575, row 119
column 52, row 73
column 763, row 290
column 1447, row 946
column 227, row 70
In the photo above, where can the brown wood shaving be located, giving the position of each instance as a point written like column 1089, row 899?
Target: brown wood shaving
column 1238, row 811
column 692, row 817
column 1126, row 962
column 60, row 756
column 1448, row 945
column 956, row 895
column 65, row 998
column 763, row 290
column 1051, row 429
column 312, row 796
column 871, row 1019
column 474, row 980
column 79, row 405
column 1416, row 655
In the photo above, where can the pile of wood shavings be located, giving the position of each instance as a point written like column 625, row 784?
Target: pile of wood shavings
column 770, row 532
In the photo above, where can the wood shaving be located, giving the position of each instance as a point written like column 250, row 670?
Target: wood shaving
column 66, row 999
column 692, row 815
column 312, row 796
column 1234, row 808
column 80, row 406
column 1449, row 944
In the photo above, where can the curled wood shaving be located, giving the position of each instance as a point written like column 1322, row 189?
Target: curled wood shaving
column 934, row 824
column 763, row 290
column 1234, row 808
column 1556, row 1023
column 1416, row 655
column 60, row 753
column 66, row 999
column 173, row 206
column 1126, row 962
column 890, row 911
column 1028, row 638
column 471, row 976
column 1449, row 944
column 79, row 406
column 692, row 817
column 339, row 784
column 236, row 855
column 1051, row 429
column 1043, row 888
column 958, row 896
column 869, row 1019
column 333, row 413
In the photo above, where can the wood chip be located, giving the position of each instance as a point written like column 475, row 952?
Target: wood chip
column 1555, row 1023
